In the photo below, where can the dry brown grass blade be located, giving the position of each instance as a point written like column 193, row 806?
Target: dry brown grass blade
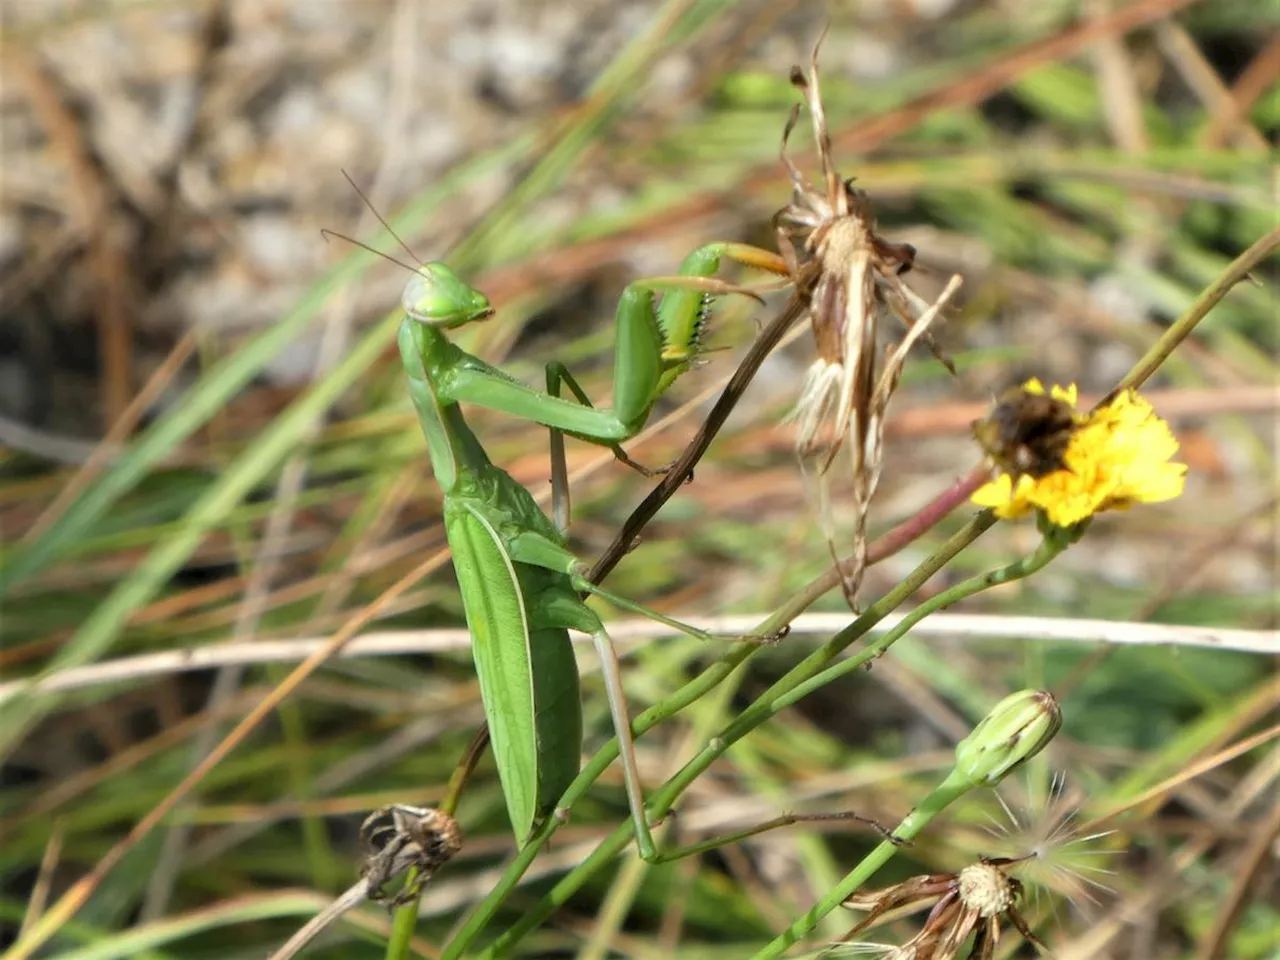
column 1204, row 81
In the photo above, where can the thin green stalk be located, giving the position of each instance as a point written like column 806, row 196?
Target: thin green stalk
column 1208, row 299
column 403, row 924
column 1049, row 548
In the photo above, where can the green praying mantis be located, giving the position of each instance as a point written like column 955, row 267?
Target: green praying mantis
column 521, row 586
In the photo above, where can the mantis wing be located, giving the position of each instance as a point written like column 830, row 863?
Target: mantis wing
column 528, row 678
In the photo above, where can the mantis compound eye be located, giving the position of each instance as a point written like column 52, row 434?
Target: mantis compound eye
column 438, row 297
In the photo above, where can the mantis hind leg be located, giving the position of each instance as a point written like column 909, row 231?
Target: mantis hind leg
column 611, row 671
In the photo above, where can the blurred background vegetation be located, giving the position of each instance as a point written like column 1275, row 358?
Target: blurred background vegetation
column 206, row 444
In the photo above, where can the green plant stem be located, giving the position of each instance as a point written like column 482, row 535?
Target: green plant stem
column 664, row 799
column 946, row 793
column 1049, row 548
column 1208, row 299
column 402, row 926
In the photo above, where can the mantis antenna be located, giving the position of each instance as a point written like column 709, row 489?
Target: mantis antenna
column 327, row 233
column 368, row 203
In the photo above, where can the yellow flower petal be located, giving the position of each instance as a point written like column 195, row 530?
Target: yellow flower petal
column 999, row 495
column 1068, row 394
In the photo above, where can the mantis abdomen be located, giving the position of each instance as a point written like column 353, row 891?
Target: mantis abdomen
column 528, row 675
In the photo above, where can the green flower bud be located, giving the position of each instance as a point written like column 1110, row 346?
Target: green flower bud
column 1015, row 730
column 437, row 296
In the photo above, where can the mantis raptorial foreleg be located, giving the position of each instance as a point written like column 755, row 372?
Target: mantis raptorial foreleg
column 655, row 345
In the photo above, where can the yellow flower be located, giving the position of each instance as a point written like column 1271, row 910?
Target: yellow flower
column 1116, row 456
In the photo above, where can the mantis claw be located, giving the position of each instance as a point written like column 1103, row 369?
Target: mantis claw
column 647, row 472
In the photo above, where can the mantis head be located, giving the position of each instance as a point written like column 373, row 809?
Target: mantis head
column 437, row 297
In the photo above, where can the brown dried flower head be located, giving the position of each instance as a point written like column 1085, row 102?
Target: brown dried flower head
column 859, row 277
column 399, row 838
column 969, row 903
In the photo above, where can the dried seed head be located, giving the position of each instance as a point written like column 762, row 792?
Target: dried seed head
column 972, row 902
column 985, row 890
column 400, row 838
